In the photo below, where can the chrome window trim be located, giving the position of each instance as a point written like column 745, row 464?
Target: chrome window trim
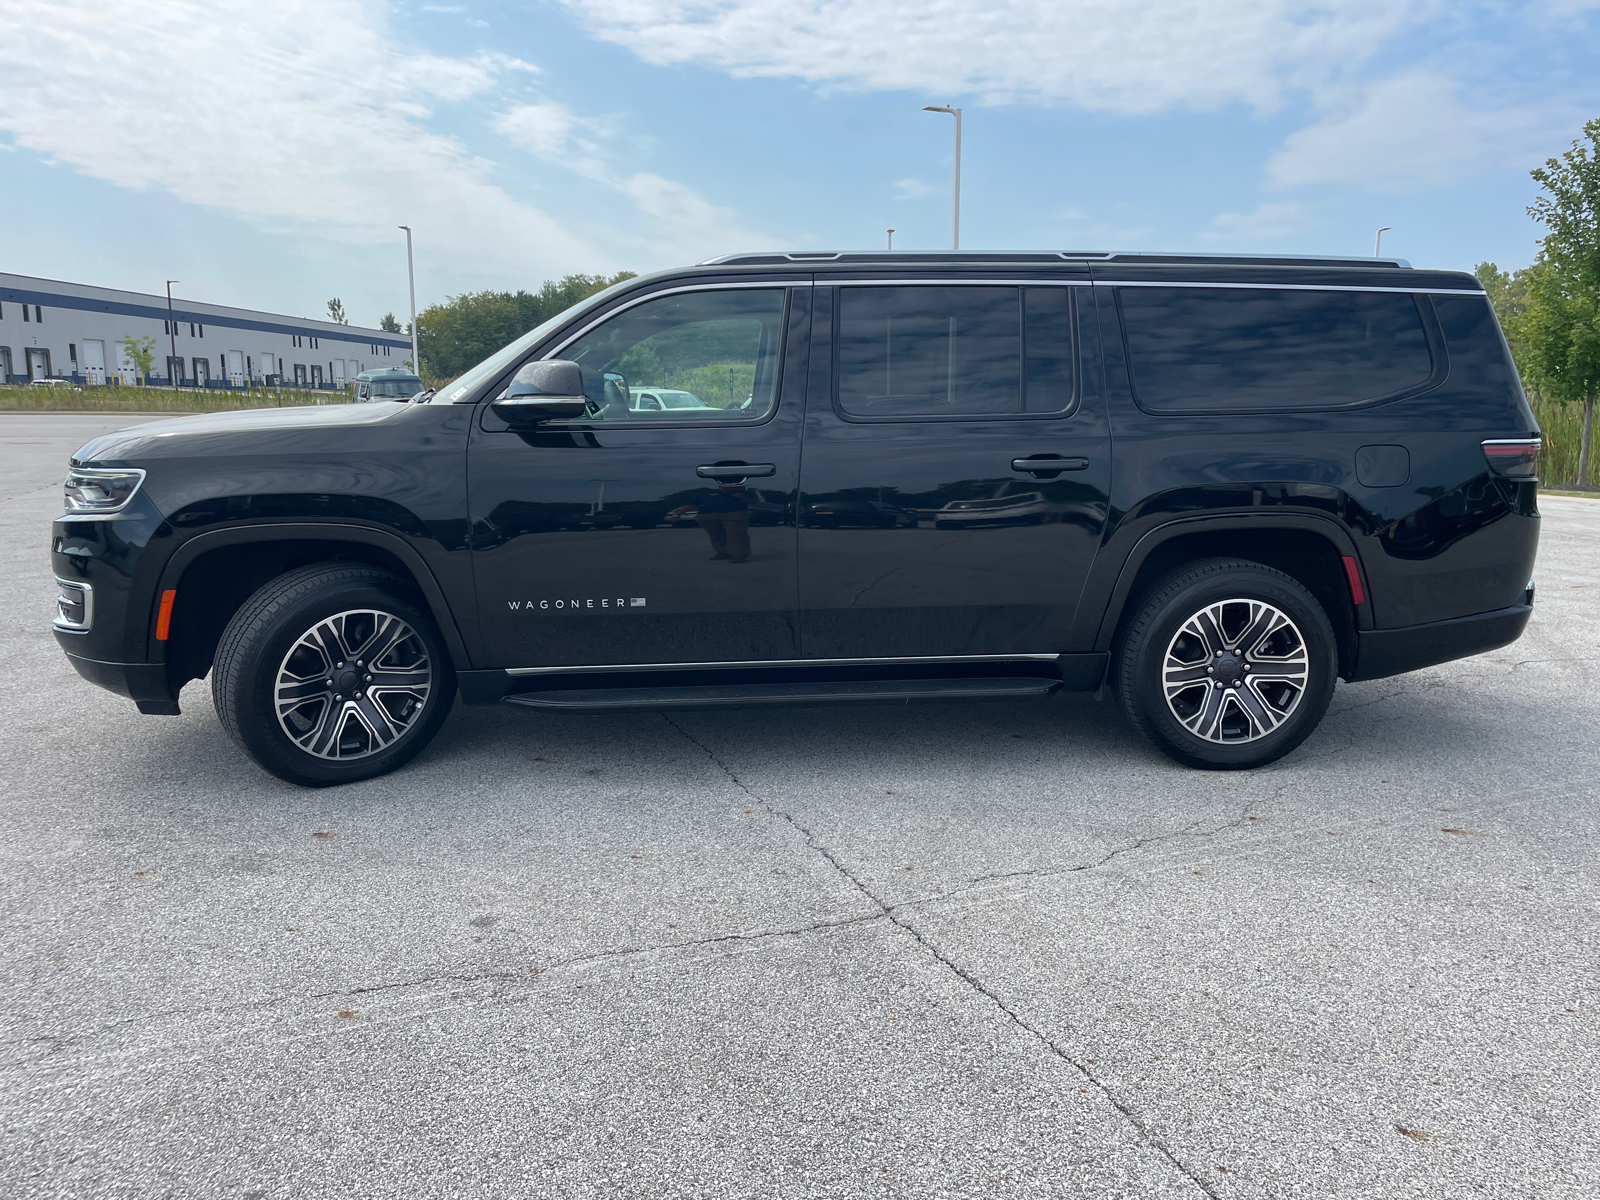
column 955, row 283
column 781, row 662
column 1289, row 287
column 88, row 607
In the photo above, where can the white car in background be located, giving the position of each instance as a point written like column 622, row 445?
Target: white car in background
column 654, row 399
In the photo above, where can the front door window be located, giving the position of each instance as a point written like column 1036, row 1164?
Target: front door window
column 694, row 356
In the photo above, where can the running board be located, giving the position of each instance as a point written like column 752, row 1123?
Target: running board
column 589, row 699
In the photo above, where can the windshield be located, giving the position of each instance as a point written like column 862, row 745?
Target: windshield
column 403, row 388
column 461, row 387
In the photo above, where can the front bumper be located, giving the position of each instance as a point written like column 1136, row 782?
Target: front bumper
column 1385, row 652
column 143, row 683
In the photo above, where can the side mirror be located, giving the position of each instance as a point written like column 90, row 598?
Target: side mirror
column 541, row 391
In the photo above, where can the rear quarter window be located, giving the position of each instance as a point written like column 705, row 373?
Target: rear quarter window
column 1210, row 350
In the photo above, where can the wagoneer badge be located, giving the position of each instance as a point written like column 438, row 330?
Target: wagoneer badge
column 604, row 602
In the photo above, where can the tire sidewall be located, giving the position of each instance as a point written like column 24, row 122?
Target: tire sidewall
column 265, row 738
column 1143, row 673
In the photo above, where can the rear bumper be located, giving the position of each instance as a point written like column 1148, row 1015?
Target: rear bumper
column 143, row 683
column 1384, row 652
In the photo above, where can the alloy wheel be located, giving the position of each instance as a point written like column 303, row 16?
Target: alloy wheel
column 353, row 684
column 1235, row 671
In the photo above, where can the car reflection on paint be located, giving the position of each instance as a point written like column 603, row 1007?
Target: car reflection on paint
column 1018, row 508
column 762, row 512
column 853, row 513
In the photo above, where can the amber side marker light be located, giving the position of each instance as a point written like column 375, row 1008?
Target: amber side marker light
column 164, row 614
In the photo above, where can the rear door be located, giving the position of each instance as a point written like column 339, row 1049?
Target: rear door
column 926, row 530
column 632, row 535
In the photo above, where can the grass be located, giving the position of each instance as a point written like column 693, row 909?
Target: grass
column 156, row 400
column 1562, row 426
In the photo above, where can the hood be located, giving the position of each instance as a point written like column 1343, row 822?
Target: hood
column 228, row 432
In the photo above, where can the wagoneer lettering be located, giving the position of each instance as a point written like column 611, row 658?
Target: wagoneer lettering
column 1205, row 487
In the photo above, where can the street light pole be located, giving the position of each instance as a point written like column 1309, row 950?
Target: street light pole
column 955, row 180
column 1377, row 242
column 172, row 333
column 411, row 277
column 891, row 239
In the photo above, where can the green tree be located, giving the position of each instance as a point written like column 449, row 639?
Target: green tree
column 1561, row 326
column 336, row 311
column 141, row 352
column 388, row 323
column 466, row 329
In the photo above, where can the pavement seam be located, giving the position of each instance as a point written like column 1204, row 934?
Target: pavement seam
column 1148, row 1136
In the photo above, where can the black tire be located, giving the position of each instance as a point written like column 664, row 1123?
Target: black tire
column 358, row 731
column 1251, row 703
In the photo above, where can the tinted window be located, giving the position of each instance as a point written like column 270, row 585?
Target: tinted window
column 954, row 351
column 693, row 356
column 1224, row 349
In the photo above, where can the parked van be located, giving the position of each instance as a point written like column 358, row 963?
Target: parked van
column 390, row 383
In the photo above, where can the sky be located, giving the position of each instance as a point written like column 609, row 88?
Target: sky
column 263, row 154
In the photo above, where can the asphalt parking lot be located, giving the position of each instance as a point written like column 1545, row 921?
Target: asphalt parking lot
column 943, row 950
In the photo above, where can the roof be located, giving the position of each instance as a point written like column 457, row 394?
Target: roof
column 388, row 373
column 777, row 257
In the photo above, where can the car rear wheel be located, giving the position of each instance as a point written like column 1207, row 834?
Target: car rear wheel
column 1227, row 665
column 331, row 674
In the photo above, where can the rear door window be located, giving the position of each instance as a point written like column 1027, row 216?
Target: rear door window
column 941, row 351
column 1198, row 349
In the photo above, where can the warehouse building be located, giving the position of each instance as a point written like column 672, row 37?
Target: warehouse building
column 73, row 331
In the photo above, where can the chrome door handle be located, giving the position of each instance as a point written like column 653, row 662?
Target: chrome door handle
column 736, row 471
column 1048, row 464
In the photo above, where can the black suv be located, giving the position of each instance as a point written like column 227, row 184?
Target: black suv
column 1210, row 485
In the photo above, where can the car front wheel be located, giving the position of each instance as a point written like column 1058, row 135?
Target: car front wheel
column 330, row 674
column 1227, row 665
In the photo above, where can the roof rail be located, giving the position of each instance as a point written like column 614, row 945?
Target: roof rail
column 779, row 257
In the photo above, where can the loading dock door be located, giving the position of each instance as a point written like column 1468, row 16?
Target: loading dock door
column 236, row 368
column 94, row 362
column 5, row 364
column 38, row 363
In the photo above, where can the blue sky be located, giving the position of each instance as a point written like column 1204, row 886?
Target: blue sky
column 263, row 153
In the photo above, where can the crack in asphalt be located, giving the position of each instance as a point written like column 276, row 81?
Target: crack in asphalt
column 59, row 1041
column 1150, row 1138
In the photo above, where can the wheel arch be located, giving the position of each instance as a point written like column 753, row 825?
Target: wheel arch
column 214, row 573
column 1307, row 548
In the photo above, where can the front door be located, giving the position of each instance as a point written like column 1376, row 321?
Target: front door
column 925, row 532
column 631, row 535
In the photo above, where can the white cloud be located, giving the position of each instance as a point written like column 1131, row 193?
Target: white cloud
column 1274, row 219
column 301, row 112
column 676, row 216
column 1414, row 131
column 1093, row 54
column 913, row 189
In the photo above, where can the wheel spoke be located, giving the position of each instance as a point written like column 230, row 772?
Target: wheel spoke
column 1264, row 622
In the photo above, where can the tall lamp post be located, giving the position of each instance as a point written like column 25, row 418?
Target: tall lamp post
column 1377, row 242
column 172, row 333
column 411, row 277
column 955, row 181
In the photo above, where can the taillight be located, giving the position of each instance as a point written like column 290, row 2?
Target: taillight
column 1513, row 458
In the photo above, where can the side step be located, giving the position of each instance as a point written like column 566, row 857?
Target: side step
column 576, row 699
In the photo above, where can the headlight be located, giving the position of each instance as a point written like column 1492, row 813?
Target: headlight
column 101, row 489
